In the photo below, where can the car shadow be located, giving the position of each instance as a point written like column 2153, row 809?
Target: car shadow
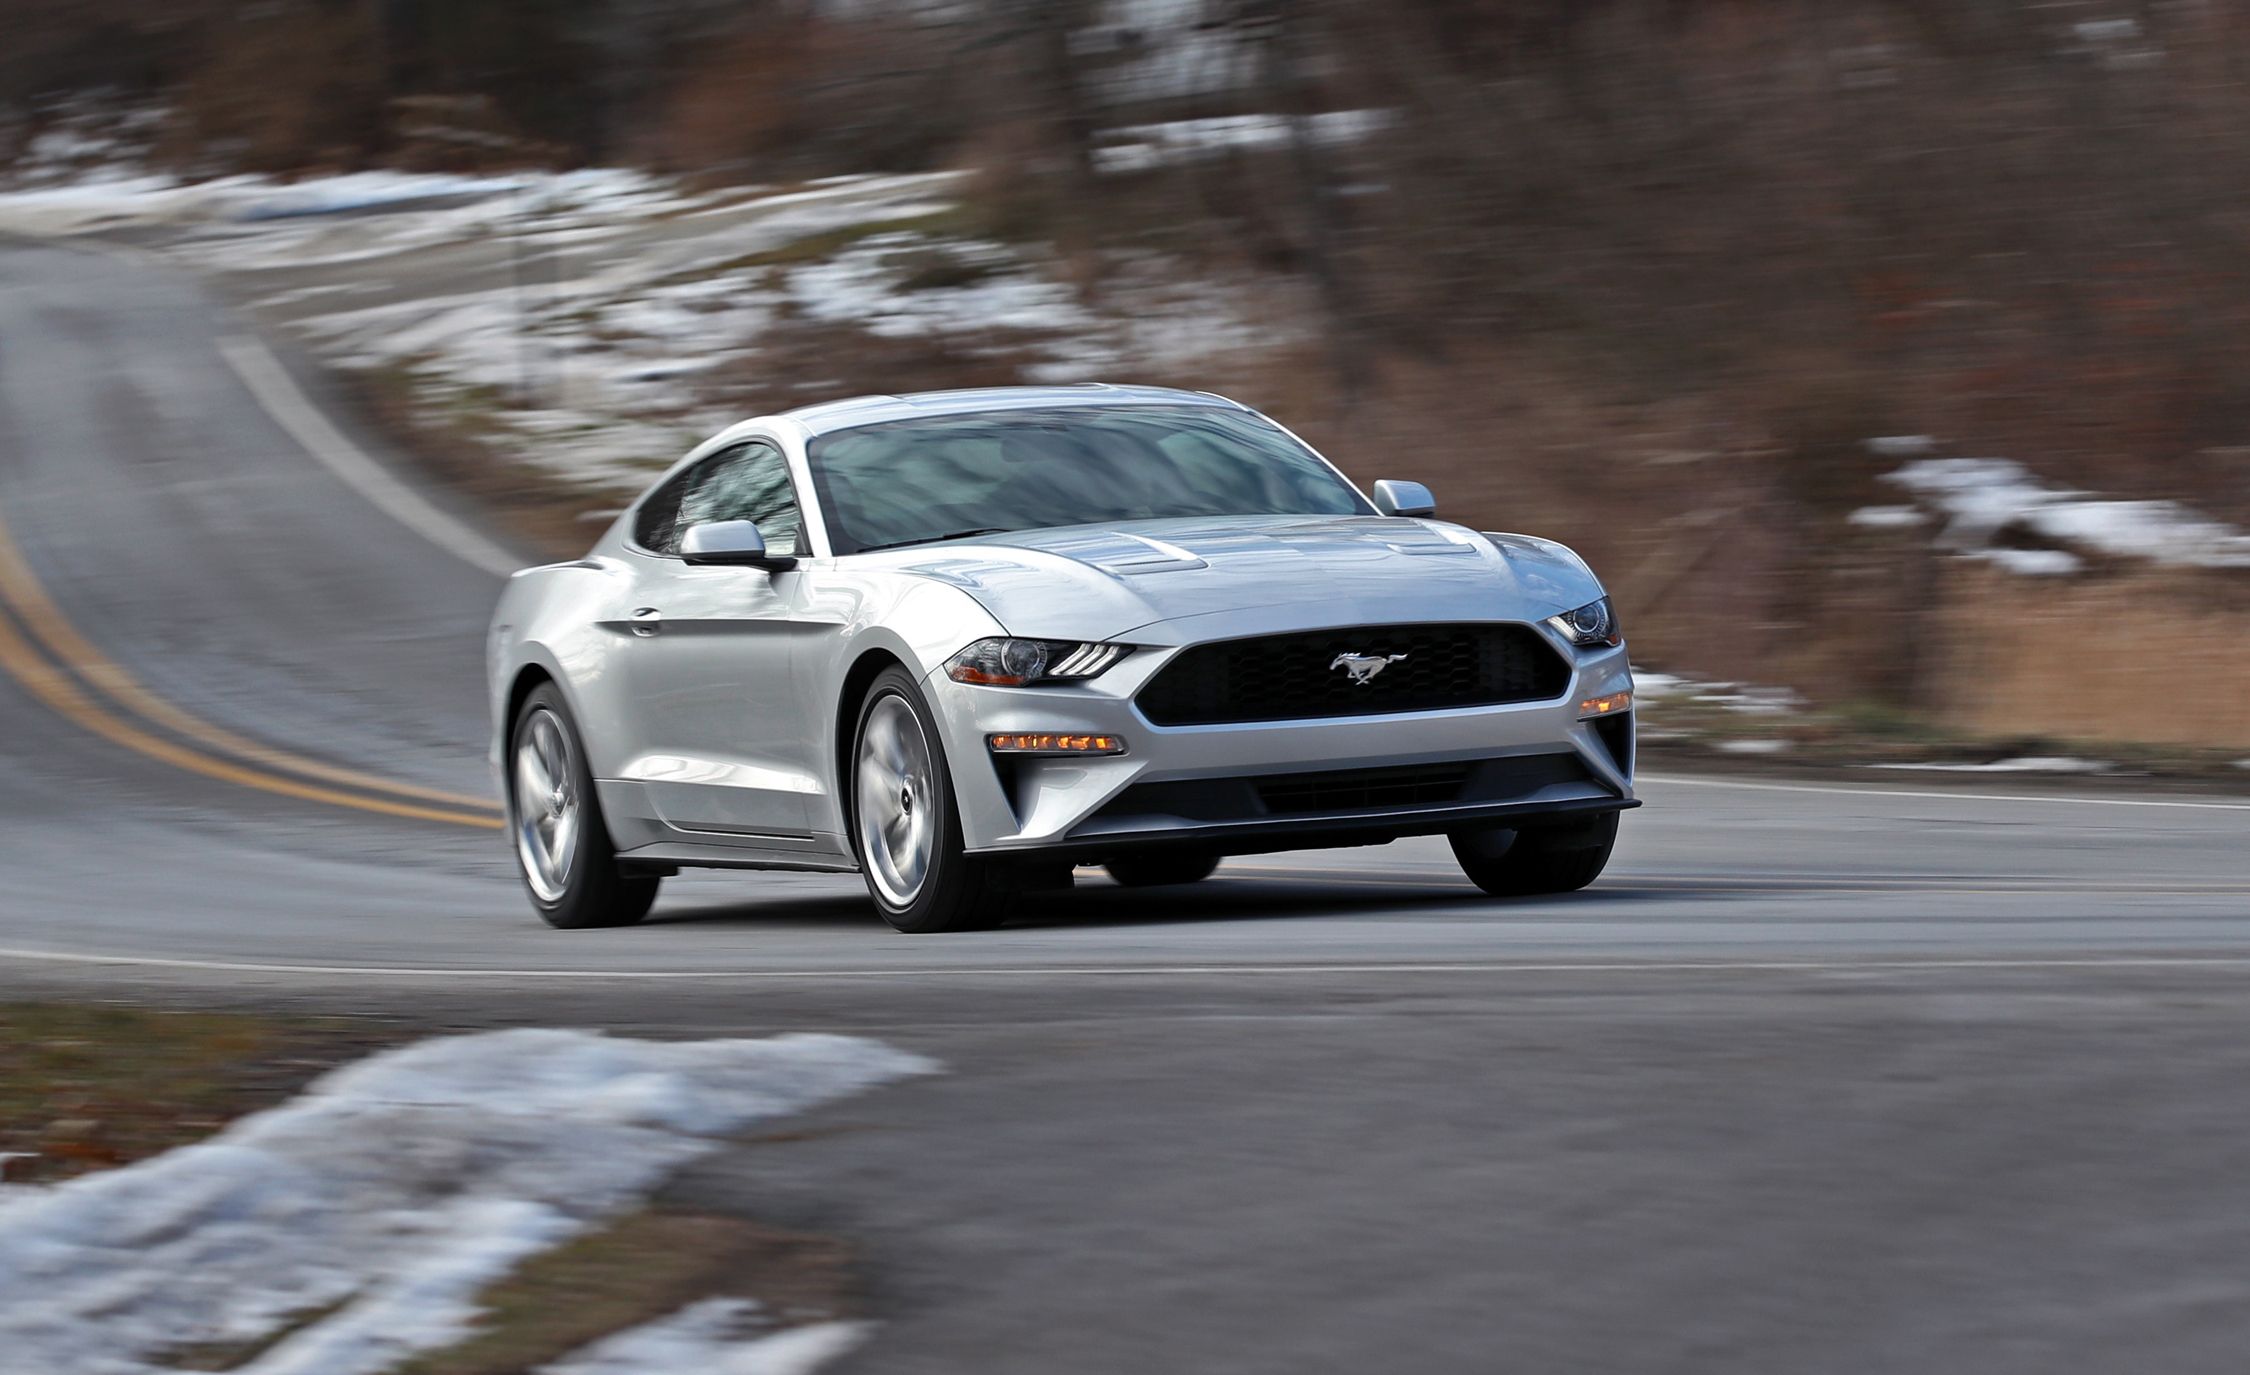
column 826, row 912
column 1095, row 902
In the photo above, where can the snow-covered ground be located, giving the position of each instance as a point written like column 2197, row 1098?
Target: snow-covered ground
column 700, row 1340
column 123, row 197
column 2000, row 512
column 1144, row 147
column 376, row 1206
column 1653, row 689
column 2047, row 764
column 588, row 320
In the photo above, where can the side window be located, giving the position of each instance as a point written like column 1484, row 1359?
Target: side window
column 746, row 483
column 656, row 526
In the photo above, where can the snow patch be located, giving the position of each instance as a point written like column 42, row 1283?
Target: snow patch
column 2035, row 563
column 362, row 191
column 1888, row 517
column 1985, row 500
column 394, row 209
column 703, row 1338
column 1752, row 746
column 2026, row 764
column 865, row 285
column 392, row 1191
column 1145, row 51
column 1145, row 147
column 1650, row 686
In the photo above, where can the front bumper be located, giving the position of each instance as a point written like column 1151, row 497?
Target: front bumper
column 1227, row 787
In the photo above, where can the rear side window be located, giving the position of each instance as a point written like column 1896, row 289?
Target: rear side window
column 656, row 524
column 747, row 482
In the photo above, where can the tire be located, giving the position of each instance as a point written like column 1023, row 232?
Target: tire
column 905, row 826
column 574, row 884
column 1525, row 862
column 1160, row 868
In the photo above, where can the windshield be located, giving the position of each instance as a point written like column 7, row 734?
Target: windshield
column 945, row 477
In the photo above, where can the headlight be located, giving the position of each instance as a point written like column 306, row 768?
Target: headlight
column 1002, row 662
column 1592, row 624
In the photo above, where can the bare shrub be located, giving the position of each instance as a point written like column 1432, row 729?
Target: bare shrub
column 796, row 94
column 283, row 89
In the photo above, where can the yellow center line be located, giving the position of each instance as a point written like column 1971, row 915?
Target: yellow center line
column 20, row 589
column 56, row 688
column 44, row 625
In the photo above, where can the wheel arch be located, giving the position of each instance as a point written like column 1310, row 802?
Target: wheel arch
column 861, row 676
column 533, row 668
column 527, row 681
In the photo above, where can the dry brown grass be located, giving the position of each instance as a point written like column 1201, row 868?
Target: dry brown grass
column 2139, row 656
column 87, row 1088
column 637, row 1269
column 800, row 362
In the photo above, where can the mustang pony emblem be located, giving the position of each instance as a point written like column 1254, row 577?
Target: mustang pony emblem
column 1364, row 667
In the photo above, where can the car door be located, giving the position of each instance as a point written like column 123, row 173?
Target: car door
column 727, row 751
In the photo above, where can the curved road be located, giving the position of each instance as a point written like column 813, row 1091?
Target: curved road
column 1817, row 1078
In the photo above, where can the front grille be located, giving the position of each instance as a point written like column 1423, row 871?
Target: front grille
column 1362, row 789
column 1292, row 677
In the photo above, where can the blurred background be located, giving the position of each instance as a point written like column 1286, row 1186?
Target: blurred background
column 1885, row 356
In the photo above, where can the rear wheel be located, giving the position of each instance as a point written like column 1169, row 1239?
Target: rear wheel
column 562, row 846
column 1526, row 861
column 905, row 828
column 1158, row 869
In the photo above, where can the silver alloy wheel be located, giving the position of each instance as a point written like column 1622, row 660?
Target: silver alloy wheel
column 545, row 804
column 894, row 791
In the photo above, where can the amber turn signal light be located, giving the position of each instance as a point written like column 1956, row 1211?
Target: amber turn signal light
column 1608, row 704
column 1057, row 744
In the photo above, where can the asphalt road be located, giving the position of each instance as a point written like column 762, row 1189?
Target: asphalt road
column 1818, row 1078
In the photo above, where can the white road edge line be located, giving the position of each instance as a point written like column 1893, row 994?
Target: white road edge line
column 273, row 389
column 1845, row 791
column 1171, row 970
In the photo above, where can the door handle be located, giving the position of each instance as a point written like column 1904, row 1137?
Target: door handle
column 647, row 621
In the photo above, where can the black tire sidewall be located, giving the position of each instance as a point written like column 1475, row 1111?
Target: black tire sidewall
column 595, row 893
column 1536, row 860
column 934, row 903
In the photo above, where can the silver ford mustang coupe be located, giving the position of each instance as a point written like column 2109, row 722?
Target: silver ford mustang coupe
column 964, row 642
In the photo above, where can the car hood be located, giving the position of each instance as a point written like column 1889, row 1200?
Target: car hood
column 1276, row 573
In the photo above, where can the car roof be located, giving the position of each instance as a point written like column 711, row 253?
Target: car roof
column 875, row 410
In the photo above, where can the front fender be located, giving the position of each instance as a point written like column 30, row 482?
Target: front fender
column 918, row 622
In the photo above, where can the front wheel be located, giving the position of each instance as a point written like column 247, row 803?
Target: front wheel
column 562, row 846
column 904, row 826
column 1526, row 861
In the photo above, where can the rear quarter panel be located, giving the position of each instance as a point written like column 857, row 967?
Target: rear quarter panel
column 548, row 618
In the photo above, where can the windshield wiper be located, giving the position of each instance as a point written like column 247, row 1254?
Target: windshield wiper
column 935, row 539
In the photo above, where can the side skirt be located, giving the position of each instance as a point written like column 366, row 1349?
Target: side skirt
column 673, row 855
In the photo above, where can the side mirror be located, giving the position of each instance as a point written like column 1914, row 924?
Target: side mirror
column 731, row 542
column 1395, row 498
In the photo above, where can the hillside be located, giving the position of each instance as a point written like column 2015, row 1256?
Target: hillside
column 1693, row 286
